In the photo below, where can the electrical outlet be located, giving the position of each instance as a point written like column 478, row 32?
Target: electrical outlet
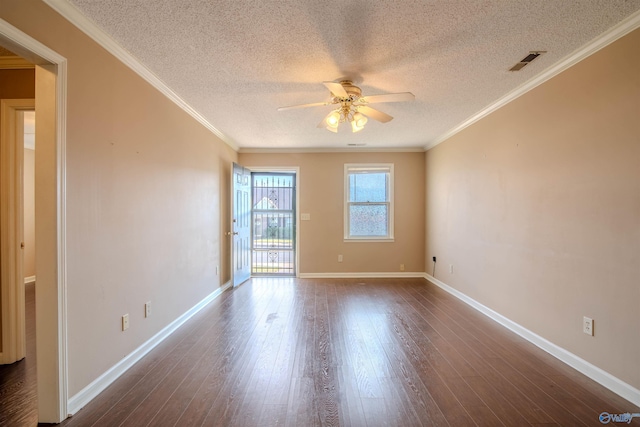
column 147, row 309
column 339, row 258
column 587, row 325
column 451, row 268
column 125, row 322
column 434, row 259
column 401, row 267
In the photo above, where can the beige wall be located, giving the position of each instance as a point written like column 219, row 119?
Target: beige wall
column 321, row 195
column 537, row 207
column 29, row 214
column 146, row 200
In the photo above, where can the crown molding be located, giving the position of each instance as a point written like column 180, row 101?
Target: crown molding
column 616, row 32
column 330, row 150
column 75, row 17
column 14, row 63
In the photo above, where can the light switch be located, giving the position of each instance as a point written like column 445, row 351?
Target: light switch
column 305, row 217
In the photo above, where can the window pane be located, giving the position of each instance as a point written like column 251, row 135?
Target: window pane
column 368, row 220
column 368, row 187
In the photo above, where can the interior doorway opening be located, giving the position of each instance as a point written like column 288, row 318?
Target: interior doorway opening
column 273, row 248
column 50, row 218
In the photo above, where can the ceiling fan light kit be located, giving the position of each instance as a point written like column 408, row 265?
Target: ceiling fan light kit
column 344, row 114
column 352, row 106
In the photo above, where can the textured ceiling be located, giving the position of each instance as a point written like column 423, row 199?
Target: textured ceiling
column 236, row 62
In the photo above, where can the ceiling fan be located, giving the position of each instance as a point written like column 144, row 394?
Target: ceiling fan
column 352, row 107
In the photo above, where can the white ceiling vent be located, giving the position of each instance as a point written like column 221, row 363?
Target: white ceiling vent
column 526, row 60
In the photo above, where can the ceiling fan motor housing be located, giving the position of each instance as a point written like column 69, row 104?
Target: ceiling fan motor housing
column 353, row 91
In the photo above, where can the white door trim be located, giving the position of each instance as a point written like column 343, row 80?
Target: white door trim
column 51, row 314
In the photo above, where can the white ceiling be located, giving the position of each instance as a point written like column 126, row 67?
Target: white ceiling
column 236, row 62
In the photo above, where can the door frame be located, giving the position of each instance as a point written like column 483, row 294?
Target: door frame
column 51, row 297
column 295, row 170
column 12, row 227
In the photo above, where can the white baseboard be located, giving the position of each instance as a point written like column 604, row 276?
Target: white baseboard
column 30, row 279
column 384, row 275
column 602, row 377
column 84, row 396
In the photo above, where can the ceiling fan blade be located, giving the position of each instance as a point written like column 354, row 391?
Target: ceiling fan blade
column 323, row 123
column 336, row 89
column 315, row 104
column 390, row 97
column 375, row 114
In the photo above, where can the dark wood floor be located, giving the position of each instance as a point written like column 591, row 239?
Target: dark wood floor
column 18, row 395
column 346, row 352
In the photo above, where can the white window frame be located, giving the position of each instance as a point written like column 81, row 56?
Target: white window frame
column 350, row 168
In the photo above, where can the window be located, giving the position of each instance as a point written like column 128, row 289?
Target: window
column 368, row 202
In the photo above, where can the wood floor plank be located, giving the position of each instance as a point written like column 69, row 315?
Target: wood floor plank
column 284, row 362
column 325, row 372
column 353, row 380
column 352, row 344
column 504, row 412
column 517, row 397
column 396, row 397
column 173, row 407
column 542, row 399
column 302, row 406
column 398, row 404
column 589, row 395
column 273, row 415
column 259, row 383
column 230, row 338
column 427, row 409
column 230, row 394
column 452, row 409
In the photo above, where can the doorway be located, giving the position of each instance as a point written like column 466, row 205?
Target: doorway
column 50, row 96
column 273, row 249
column 12, row 246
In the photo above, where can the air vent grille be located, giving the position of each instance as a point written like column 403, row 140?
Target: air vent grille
column 526, row 60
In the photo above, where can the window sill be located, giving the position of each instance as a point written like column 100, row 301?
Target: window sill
column 368, row 240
